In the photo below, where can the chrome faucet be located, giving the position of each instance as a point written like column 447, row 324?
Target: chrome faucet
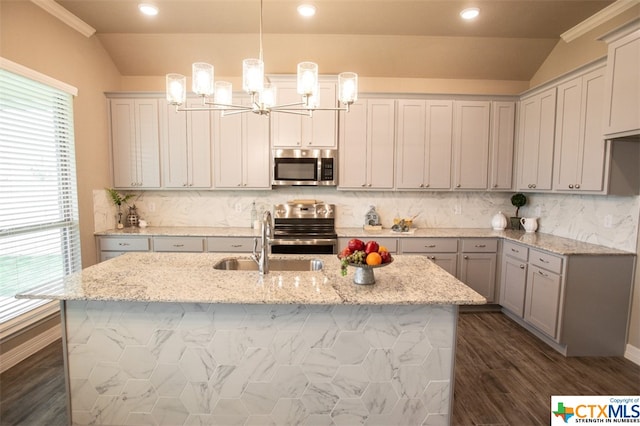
column 262, row 258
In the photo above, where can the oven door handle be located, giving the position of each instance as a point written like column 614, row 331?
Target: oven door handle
column 304, row 242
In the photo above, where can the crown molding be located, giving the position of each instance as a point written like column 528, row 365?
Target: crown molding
column 65, row 16
column 609, row 12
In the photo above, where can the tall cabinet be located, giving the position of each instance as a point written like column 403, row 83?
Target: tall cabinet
column 471, row 144
column 135, row 142
column 367, row 145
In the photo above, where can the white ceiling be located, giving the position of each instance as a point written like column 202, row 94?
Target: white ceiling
column 376, row 38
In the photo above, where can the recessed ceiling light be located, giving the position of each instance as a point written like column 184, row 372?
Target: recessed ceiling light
column 148, row 9
column 307, row 10
column 470, row 13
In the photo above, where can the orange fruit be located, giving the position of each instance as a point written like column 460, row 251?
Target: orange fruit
column 374, row 258
column 382, row 248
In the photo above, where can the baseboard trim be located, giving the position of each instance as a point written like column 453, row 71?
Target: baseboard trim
column 632, row 354
column 28, row 348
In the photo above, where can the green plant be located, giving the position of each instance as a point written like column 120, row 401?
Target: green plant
column 118, row 199
column 518, row 200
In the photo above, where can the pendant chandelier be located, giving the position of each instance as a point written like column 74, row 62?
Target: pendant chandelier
column 217, row 95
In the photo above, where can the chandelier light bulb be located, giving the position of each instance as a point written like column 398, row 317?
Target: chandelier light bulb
column 223, row 93
column 268, row 96
column 307, row 78
column 347, row 87
column 202, row 79
column 176, row 86
column 252, row 75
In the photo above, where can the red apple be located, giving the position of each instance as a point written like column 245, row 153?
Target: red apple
column 344, row 253
column 371, row 247
column 386, row 256
column 355, row 245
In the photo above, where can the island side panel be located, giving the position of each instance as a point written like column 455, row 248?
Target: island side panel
column 172, row 363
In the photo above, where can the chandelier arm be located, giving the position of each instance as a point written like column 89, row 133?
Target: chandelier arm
column 215, row 107
column 299, row 111
column 287, row 106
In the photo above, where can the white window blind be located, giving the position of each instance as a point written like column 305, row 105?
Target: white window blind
column 39, row 233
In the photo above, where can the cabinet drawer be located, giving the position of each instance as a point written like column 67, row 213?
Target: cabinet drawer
column 545, row 260
column 429, row 245
column 479, row 245
column 124, row 243
column 230, row 244
column 515, row 250
column 178, row 244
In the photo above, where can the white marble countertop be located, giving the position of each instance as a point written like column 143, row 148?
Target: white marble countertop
column 551, row 243
column 191, row 278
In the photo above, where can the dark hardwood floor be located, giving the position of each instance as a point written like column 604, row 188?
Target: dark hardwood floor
column 504, row 376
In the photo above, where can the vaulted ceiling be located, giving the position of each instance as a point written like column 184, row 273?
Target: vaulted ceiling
column 377, row 38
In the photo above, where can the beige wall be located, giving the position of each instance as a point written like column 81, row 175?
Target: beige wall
column 566, row 57
column 33, row 38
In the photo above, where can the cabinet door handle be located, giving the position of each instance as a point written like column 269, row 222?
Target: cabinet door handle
column 178, row 245
column 521, row 266
column 431, row 246
column 123, row 244
column 543, row 261
column 542, row 273
column 236, row 245
column 481, row 245
column 515, row 251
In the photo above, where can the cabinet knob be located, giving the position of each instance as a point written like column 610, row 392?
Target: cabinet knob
column 458, row 186
column 369, row 185
column 432, row 257
column 521, row 266
column 466, row 257
column 495, row 185
column 533, row 186
column 363, row 185
column 422, row 185
column 577, row 186
column 185, row 184
column 426, row 185
column 570, row 186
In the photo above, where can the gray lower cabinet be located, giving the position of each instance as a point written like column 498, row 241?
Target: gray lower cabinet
column 114, row 246
column 478, row 260
column 178, row 244
column 513, row 277
column 231, row 244
column 579, row 304
column 442, row 251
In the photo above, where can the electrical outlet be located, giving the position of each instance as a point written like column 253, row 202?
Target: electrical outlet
column 238, row 208
column 457, row 209
column 608, row 221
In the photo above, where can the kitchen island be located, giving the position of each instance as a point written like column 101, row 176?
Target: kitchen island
column 164, row 338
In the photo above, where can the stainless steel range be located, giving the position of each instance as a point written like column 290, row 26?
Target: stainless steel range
column 304, row 228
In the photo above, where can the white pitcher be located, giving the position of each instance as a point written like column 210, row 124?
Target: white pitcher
column 530, row 224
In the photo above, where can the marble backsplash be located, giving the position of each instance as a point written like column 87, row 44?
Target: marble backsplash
column 605, row 220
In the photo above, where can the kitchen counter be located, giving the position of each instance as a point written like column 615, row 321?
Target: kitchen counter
column 191, row 278
column 551, row 243
column 166, row 338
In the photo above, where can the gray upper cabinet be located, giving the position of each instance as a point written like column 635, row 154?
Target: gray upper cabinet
column 186, row 146
column 302, row 131
column 622, row 88
column 424, row 144
column 535, row 141
column 242, row 154
column 579, row 158
column 367, row 145
column 135, row 144
column 471, row 144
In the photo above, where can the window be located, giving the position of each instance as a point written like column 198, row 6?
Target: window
column 39, row 233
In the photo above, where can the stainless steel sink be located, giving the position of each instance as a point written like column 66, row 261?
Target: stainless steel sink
column 236, row 264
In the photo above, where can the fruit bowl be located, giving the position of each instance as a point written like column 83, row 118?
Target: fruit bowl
column 364, row 273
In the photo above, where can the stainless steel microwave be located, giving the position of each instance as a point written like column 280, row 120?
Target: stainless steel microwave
column 311, row 167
